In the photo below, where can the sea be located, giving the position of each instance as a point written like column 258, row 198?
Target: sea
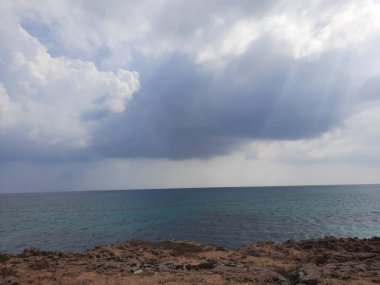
column 228, row 217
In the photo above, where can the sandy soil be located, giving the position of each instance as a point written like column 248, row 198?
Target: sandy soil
column 321, row 261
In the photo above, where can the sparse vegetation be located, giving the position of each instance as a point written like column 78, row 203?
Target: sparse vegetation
column 21, row 255
column 4, row 257
column 289, row 272
column 6, row 271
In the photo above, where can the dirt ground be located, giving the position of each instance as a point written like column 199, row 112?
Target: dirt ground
column 326, row 261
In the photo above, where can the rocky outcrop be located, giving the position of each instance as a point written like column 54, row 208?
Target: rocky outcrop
column 318, row 261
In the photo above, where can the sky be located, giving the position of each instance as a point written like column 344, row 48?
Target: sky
column 98, row 95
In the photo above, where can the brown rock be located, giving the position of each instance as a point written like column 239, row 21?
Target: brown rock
column 318, row 261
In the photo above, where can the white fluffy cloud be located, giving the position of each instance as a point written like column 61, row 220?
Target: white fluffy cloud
column 48, row 97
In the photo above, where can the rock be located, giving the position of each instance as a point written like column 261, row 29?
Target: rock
column 305, row 276
column 281, row 280
column 155, row 251
column 150, row 266
column 210, row 264
column 309, row 277
column 170, row 266
column 308, row 262
column 133, row 263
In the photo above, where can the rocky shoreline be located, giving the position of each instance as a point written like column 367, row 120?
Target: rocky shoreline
column 327, row 260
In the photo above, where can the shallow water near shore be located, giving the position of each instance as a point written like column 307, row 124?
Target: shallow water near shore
column 229, row 217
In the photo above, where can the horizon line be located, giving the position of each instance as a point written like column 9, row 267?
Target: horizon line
column 194, row 188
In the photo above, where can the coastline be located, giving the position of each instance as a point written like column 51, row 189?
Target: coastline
column 326, row 260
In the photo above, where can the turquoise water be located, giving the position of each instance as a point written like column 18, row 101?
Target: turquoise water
column 230, row 217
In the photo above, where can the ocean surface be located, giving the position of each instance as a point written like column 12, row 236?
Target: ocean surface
column 229, row 217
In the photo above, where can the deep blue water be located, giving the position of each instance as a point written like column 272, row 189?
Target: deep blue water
column 230, row 217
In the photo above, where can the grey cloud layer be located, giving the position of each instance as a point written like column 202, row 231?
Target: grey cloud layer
column 205, row 90
column 183, row 113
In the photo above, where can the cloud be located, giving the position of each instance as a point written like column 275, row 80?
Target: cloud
column 45, row 98
column 208, row 31
column 275, row 79
column 184, row 111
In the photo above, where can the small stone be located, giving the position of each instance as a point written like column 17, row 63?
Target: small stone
column 138, row 272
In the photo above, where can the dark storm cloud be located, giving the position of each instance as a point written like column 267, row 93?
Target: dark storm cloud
column 15, row 145
column 181, row 112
